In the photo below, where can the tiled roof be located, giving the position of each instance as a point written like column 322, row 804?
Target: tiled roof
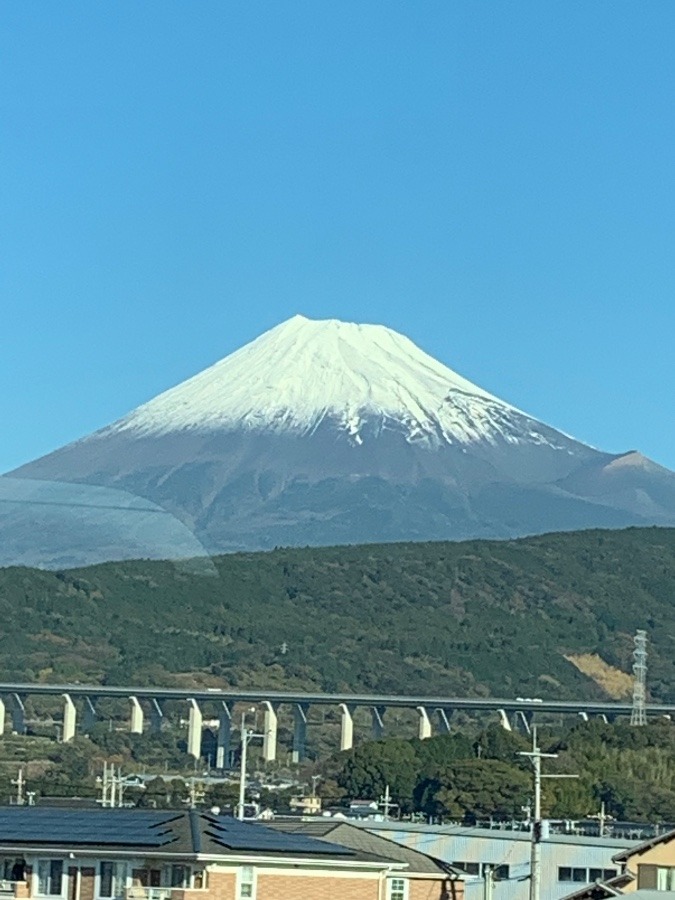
column 358, row 839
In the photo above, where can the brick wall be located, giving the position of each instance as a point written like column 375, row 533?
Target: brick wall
column 87, row 880
column 220, row 886
column 312, row 887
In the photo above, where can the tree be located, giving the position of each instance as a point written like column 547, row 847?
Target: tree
column 369, row 768
column 474, row 789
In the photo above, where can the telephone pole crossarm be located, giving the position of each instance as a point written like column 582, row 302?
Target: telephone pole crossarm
column 535, row 756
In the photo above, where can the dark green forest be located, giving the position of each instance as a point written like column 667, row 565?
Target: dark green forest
column 460, row 778
column 473, row 618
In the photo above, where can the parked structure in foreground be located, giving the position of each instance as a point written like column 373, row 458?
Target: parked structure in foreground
column 99, row 854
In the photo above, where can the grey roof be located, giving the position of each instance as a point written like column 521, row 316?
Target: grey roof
column 347, row 834
column 496, row 834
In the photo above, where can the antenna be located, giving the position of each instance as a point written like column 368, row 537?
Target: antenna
column 638, row 714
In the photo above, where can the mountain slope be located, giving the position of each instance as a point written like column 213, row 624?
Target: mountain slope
column 499, row 618
column 330, row 432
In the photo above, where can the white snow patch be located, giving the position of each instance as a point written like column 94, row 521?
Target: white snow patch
column 303, row 372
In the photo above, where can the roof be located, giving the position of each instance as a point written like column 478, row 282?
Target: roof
column 346, row 834
column 644, row 846
column 172, row 833
column 613, row 887
column 494, row 834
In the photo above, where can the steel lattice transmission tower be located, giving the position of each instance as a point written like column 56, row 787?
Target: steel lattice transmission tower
column 638, row 714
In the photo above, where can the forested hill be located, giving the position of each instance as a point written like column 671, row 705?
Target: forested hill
column 474, row 618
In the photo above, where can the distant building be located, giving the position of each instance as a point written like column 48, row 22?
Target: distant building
column 305, row 806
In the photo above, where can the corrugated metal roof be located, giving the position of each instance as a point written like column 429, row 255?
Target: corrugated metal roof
column 503, row 834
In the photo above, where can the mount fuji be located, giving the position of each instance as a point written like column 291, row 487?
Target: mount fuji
column 326, row 432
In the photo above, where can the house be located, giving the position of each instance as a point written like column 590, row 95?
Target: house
column 647, row 870
column 123, row 854
column 428, row 878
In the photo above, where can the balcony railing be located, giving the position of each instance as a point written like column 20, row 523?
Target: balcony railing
column 150, row 893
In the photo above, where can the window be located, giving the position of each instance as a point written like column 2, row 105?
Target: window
column 180, row 876
column 580, row 875
column 398, row 889
column 564, row 873
column 665, row 878
column 112, row 879
column 601, row 874
column 470, row 868
column 50, row 877
column 13, row 868
column 246, row 882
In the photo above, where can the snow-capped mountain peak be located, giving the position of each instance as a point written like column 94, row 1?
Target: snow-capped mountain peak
column 303, row 373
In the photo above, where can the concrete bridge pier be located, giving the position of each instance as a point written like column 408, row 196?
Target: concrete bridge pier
column 524, row 720
column 89, row 716
column 223, row 740
column 377, row 713
column 444, row 720
column 346, row 727
column 136, row 716
column 194, row 738
column 69, row 719
column 584, row 716
column 424, row 726
column 504, row 720
column 2, row 716
column 156, row 716
column 18, row 715
column 270, row 731
column 299, row 731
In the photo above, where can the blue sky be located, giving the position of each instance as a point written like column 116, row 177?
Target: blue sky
column 494, row 179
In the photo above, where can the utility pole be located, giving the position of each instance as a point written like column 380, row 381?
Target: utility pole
column 488, row 882
column 246, row 736
column 20, row 785
column 386, row 802
column 535, row 756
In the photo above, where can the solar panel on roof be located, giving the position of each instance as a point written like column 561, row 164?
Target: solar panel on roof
column 231, row 833
column 68, row 827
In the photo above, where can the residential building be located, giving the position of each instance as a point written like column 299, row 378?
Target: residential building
column 647, row 870
column 428, row 878
column 101, row 854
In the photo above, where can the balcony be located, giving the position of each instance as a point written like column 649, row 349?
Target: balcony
column 152, row 893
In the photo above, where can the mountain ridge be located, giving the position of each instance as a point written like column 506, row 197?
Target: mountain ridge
column 319, row 433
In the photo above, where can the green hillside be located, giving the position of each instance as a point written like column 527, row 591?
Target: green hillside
column 479, row 617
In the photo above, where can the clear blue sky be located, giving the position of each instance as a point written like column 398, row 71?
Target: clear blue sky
column 495, row 179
